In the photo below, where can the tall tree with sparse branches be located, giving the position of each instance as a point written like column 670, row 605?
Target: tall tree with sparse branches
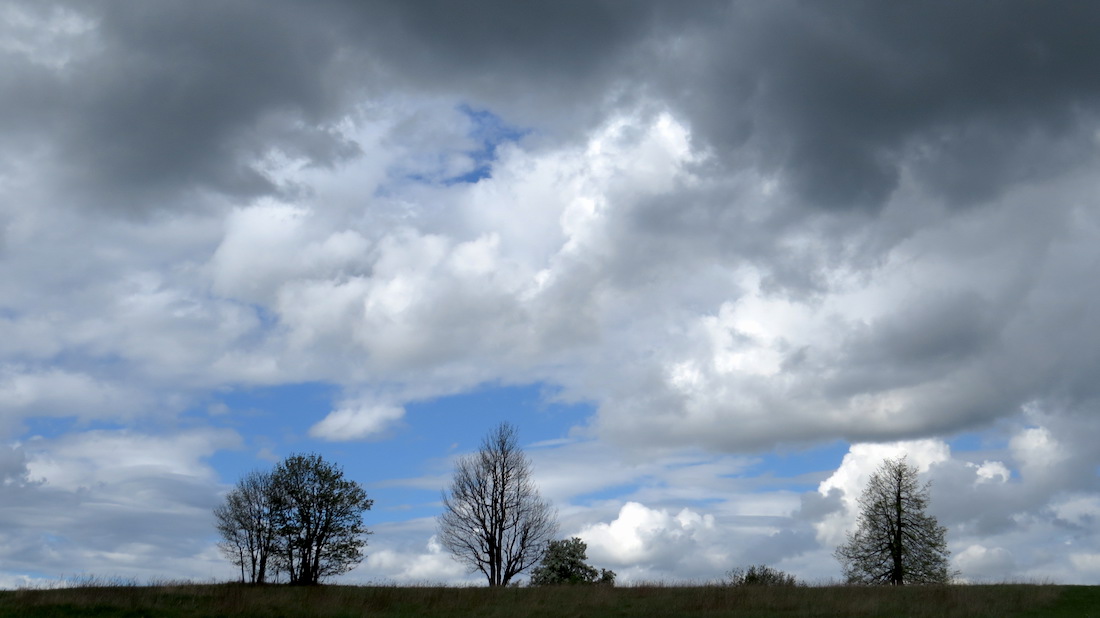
column 494, row 519
column 896, row 542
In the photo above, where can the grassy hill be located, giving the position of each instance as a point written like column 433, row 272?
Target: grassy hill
column 233, row 600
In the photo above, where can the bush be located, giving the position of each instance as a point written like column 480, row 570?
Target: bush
column 564, row 563
column 761, row 575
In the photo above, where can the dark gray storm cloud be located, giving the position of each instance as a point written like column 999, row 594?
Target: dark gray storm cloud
column 923, row 341
column 840, row 99
column 153, row 99
column 13, row 466
column 840, row 102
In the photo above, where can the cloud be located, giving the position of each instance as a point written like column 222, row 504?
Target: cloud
column 357, row 420
column 842, row 109
column 167, row 109
column 992, row 471
column 1037, row 451
column 715, row 303
column 113, row 503
column 986, row 563
column 856, row 469
column 31, row 392
column 844, row 101
column 640, row 540
column 426, row 565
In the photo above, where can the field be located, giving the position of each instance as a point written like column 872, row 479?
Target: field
column 192, row 600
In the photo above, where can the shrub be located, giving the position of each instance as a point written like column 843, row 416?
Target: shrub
column 564, row 563
column 761, row 575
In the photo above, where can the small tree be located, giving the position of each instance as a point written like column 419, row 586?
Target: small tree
column 493, row 518
column 245, row 523
column 564, row 563
column 896, row 542
column 761, row 575
column 303, row 519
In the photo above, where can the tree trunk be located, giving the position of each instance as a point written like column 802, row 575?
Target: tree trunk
column 897, row 577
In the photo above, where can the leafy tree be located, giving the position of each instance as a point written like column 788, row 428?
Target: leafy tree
column 761, row 575
column 564, row 563
column 244, row 521
column 493, row 518
column 303, row 519
column 318, row 518
column 896, row 542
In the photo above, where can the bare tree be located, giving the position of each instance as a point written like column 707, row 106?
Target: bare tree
column 244, row 521
column 896, row 542
column 494, row 519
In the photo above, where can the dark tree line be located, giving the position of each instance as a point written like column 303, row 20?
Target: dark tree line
column 761, row 575
column 303, row 520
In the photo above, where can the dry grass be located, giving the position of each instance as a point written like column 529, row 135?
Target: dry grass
column 192, row 601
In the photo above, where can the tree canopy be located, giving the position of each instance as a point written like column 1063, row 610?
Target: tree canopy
column 896, row 542
column 303, row 519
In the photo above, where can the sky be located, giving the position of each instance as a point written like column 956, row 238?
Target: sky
column 715, row 260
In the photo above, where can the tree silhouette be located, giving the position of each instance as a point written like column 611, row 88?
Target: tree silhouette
column 245, row 523
column 303, row 519
column 896, row 541
column 564, row 563
column 494, row 519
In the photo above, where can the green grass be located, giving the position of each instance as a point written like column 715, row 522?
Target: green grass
column 233, row 600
